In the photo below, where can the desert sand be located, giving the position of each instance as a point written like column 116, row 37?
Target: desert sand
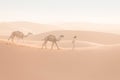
column 96, row 57
column 85, row 35
column 23, row 62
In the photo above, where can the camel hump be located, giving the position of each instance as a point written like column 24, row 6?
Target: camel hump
column 51, row 36
column 17, row 33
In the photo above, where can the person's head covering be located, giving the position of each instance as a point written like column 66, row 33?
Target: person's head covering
column 75, row 37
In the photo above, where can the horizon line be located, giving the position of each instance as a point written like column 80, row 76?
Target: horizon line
column 55, row 23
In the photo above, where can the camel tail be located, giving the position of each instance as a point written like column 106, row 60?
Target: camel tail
column 10, row 37
column 42, row 39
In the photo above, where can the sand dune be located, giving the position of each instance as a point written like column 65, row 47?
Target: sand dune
column 7, row 27
column 29, row 63
column 88, row 36
column 99, row 27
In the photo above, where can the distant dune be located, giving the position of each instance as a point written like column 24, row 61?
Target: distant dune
column 29, row 63
column 89, row 36
column 99, row 27
column 7, row 27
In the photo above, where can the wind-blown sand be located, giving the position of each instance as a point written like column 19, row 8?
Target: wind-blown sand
column 29, row 63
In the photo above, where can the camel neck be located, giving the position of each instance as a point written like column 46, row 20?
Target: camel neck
column 26, row 35
column 59, row 38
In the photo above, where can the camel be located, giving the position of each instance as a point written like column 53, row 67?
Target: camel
column 53, row 39
column 73, row 42
column 19, row 35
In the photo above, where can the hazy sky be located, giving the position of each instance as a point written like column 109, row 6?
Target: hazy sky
column 55, row 11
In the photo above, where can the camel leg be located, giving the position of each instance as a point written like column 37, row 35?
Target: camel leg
column 57, row 46
column 44, row 45
column 22, row 40
column 17, row 40
column 10, row 39
column 52, row 45
column 13, row 41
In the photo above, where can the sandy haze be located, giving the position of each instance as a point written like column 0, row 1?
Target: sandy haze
column 7, row 27
column 96, row 56
column 88, row 36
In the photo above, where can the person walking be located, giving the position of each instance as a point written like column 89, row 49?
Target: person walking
column 74, row 42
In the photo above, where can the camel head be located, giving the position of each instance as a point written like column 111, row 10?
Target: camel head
column 28, row 34
column 60, row 37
